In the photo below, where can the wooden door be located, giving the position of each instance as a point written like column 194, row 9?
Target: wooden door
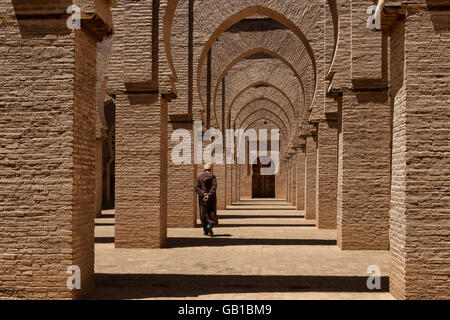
column 263, row 186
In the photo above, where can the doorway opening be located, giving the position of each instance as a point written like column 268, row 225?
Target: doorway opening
column 263, row 186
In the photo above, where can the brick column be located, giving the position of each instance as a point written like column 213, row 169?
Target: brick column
column 47, row 155
column 280, row 182
column 326, row 187
column 182, row 199
column 310, row 180
column 419, row 217
column 234, row 183
column 238, row 182
column 98, row 177
column 219, row 171
column 246, row 182
column 364, row 171
column 294, row 179
column 141, row 171
column 228, row 188
column 300, row 191
column 289, row 176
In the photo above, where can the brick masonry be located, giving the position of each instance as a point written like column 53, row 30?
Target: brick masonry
column 420, row 228
column 364, row 171
column 326, row 184
column 310, row 173
column 47, row 158
column 300, row 179
column 141, row 174
column 182, row 199
column 294, row 179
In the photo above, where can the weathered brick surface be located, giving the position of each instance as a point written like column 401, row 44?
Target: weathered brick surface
column 300, row 178
column 364, row 171
column 141, row 171
column 294, row 180
column 234, row 183
column 246, row 181
column 219, row 171
column 311, row 177
column 280, row 182
column 265, row 119
column 289, row 176
column 47, row 152
column 267, row 95
column 233, row 45
column 182, row 199
column 366, row 57
column 326, row 184
column 228, row 187
column 420, row 225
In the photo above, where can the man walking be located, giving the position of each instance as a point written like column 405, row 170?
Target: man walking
column 206, row 188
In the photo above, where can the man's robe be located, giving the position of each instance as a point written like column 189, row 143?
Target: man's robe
column 207, row 186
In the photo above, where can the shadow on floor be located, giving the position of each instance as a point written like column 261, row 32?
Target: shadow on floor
column 264, row 225
column 105, row 224
column 224, row 242
column 141, row 286
column 104, row 239
column 107, row 216
column 260, row 209
column 260, row 217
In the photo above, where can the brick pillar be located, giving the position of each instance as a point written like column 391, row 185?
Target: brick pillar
column 419, row 217
column 246, row 182
column 219, row 171
column 364, row 171
column 98, row 177
column 234, row 183
column 288, row 181
column 326, row 187
column 300, row 178
column 238, row 182
column 280, row 182
column 294, row 179
column 310, row 177
column 182, row 198
column 228, row 188
column 47, row 156
column 141, row 171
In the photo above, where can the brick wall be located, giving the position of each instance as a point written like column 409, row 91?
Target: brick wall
column 300, row 179
column 47, row 145
column 280, row 182
column 310, row 173
column 228, row 190
column 84, row 149
column 364, row 171
column 326, row 184
column 182, row 199
column 234, row 181
column 219, row 171
column 141, row 171
column 294, row 179
column 420, row 228
column 288, row 180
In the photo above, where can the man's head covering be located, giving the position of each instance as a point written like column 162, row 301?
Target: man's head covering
column 207, row 167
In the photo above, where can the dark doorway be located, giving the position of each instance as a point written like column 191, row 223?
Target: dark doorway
column 263, row 186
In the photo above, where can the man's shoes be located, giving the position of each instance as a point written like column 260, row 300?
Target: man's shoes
column 210, row 230
column 206, row 234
